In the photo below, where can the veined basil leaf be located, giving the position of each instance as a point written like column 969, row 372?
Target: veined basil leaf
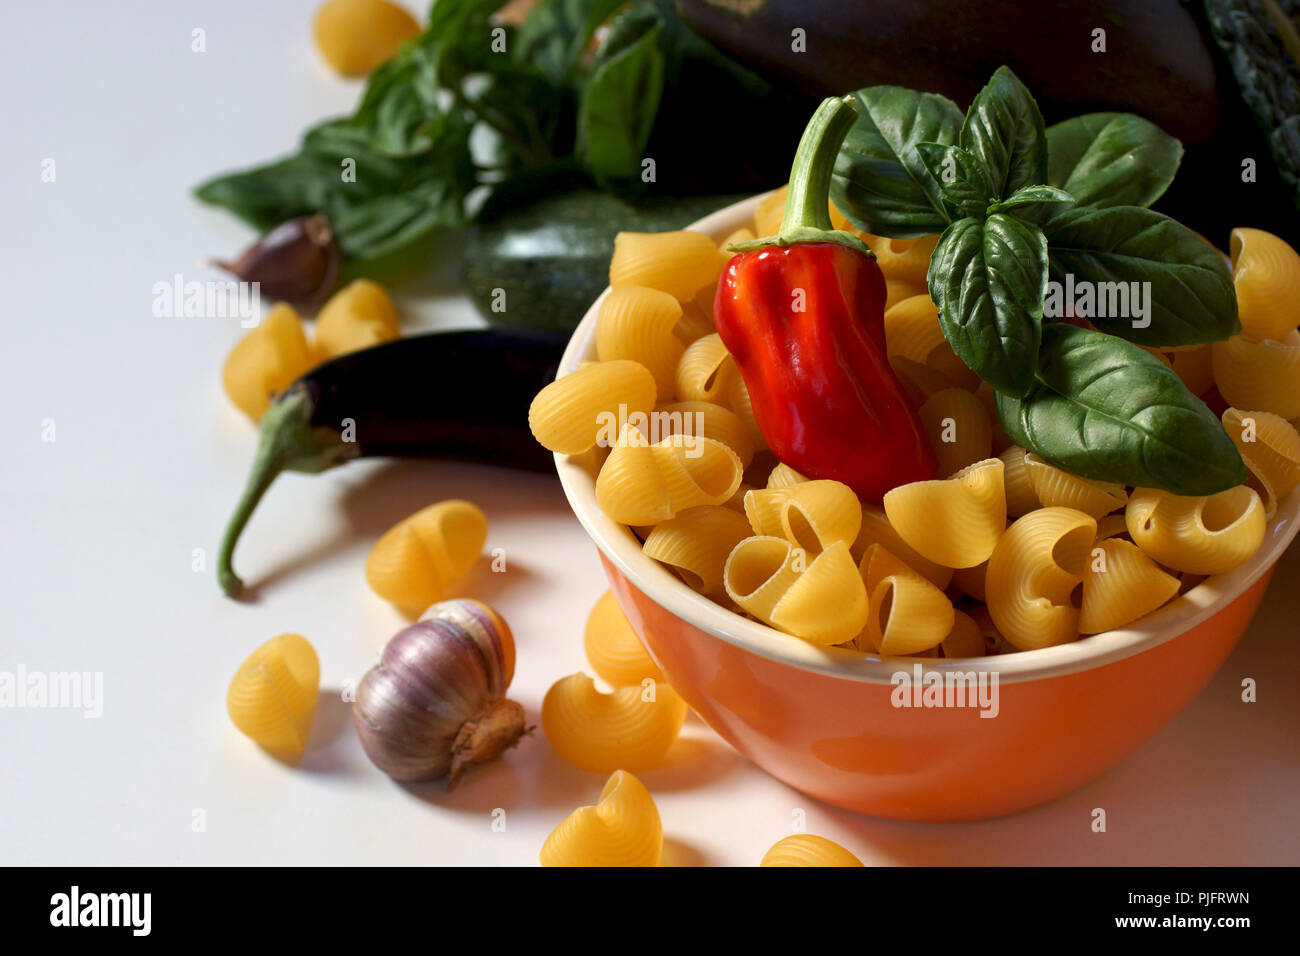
column 1032, row 195
column 1107, row 410
column 1004, row 130
column 1111, row 159
column 960, row 177
column 619, row 102
column 556, row 32
column 880, row 182
column 1190, row 298
column 987, row 277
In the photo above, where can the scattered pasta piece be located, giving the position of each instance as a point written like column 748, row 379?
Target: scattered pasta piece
column 1262, row 374
column 958, row 428
column 356, row 317
column 1201, row 535
column 876, row 529
column 908, row 613
column 806, row 849
column 696, row 544
column 1054, row 487
column 1032, row 573
column 266, row 361
column 1266, row 274
column 613, row 649
column 632, row 727
column 1120, row 585
column 1270, row 447
column 646, row 484
column 811, row 514
column 622, row 829
column 679, row 263
column 572, row 413
column 273, row 694
column 421, row 558
column 954, row 522
column 638, row 324
column 355, row 36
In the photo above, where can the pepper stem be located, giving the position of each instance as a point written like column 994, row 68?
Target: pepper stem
column 807, row 204
column 288, row 442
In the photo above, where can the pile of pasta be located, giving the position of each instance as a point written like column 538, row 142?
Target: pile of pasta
column 1006, row 553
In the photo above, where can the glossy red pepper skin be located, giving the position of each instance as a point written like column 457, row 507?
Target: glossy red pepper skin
column 822, row 389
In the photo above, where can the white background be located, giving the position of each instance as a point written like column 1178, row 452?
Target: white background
column 99, row 529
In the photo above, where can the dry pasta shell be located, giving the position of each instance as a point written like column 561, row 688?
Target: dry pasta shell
column 806, row 849
column 768, row 213
column 958, row 428
column 1053, row 486
column 972, row 581
column 266, row 361
column 1201, row 535
column 738, row 400
column 1270, row 447
column 708, row 420
column 826, row 604
column 1021, row 497
column 896, row 290
column 1262, row 374
column 956, row 521
column 570, row 415
column 632, row 727
column 912, row 330
column 909, row 615
column 680, row 263
column 1266, row 274
column 695, row 323
column 904, row 259
column 696, row 544
column 1120, row 585
column 272, row 696
column 638, row 324
column 810, row 514
column 705, row 371
column 622, row 829
column 1032, row 574
column 614, row 650
column 965, row 639
column 783, row 476
column 630, row 488
column 759, row 571
column 358, row 316
column 420, row 559
column 876, row 529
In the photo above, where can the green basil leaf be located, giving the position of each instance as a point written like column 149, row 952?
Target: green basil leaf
column 1032, row 195
column 960, row 177
column 621, row 98
column 1190, row 298
column 987, row 277
column 1107, row 410
column 1111, row 159
column 1004, row 130
column 556, row 33
column 880, row 181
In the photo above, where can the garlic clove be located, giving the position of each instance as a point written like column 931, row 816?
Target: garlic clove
column 296, row 262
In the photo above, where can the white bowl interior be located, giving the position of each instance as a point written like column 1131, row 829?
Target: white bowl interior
column 623, row 550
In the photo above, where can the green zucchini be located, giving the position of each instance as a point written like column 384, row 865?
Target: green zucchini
column 541, row 264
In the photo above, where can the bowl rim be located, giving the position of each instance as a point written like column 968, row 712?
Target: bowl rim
column 621, row 548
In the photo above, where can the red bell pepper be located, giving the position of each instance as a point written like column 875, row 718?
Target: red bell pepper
column 802, row 312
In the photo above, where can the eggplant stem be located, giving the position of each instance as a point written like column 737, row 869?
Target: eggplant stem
column 288, row 442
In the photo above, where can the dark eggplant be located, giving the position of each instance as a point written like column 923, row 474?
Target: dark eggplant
column 458, row 395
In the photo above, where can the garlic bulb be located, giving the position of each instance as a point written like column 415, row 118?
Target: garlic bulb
column 434, row 704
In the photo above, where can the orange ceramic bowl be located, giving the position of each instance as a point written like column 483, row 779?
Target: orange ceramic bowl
column 824, row 721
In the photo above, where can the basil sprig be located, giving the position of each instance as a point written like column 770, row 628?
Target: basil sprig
column 1018, row 205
